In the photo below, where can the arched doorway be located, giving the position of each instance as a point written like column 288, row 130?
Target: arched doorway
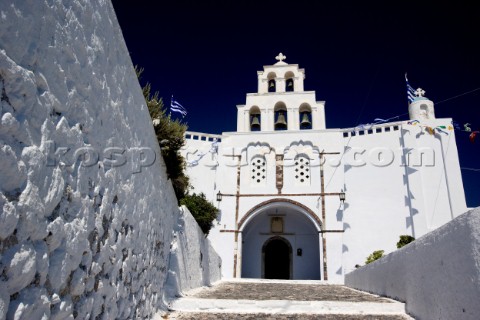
column 277, row 259
column 268, row 228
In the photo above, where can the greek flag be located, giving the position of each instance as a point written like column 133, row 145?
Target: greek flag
column 177, row 107
column 410, row 91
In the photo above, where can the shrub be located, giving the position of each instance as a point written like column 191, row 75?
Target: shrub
column 202, row 210
column 404, row 240
column 374, row 256
column 171, row 138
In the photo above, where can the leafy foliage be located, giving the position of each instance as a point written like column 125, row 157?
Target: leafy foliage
column 170, row 136
column 404, row 240
column 202, row 210
column 374, row 256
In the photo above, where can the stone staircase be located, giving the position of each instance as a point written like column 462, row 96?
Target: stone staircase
column 283, row 299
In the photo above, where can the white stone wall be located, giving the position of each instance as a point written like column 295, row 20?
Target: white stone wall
column 193, row 261
column 386, row 199
column 438, row 275
column 80, row 236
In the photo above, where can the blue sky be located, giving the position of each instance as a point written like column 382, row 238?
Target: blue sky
column 355, row 55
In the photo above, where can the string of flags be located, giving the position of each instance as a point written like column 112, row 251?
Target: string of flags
column 442, row 129
column 466, row 128
column 431, row 130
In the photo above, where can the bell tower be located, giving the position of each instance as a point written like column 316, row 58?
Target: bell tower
column 421, row 108
column 281, row 104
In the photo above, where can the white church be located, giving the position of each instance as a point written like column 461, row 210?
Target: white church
column 300, row 201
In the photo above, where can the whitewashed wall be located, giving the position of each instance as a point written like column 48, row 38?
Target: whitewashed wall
column 84, row 239
column 386, row 199
column 193, row 261
column 438, row 275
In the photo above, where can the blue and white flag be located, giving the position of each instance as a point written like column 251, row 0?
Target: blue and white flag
column 177, row 107
column 410, row 91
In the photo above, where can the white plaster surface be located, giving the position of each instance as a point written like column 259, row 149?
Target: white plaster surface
column 80, row 238
column 193, row 262
column 437, row 275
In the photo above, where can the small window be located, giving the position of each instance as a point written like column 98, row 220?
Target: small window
column 353, row 134
column 378, row 130
column 370, row 131
column 395, row 128
column 302, row 170
column 258, row 170
column 361, row 133
column 387, row 129
column 345, row 134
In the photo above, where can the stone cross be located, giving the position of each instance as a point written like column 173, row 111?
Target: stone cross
column 280, row 57
column 419, row 92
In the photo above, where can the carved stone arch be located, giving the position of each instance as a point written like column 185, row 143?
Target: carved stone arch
column 261, row 206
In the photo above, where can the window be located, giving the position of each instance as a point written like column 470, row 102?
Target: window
column 302, row 170
column 258, row 170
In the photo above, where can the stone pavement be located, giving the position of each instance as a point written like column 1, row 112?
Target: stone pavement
column 283, row 299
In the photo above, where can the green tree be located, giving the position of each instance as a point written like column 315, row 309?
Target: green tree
column 201, row 209
column 404, row 240
column 171, row 137
column 374, row 256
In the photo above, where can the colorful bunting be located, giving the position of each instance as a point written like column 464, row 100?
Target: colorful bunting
column 473, row 135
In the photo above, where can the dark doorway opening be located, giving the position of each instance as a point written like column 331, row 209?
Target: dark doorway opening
column 277, row 257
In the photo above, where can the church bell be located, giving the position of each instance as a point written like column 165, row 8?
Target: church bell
column 280, row 123
column 255, row 125
column 305, row 123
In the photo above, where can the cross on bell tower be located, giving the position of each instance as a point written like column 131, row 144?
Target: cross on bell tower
column 280, row 57
column 419, row 92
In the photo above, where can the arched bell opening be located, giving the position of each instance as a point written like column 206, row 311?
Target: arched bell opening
column 424, row 111
column 281, row 116
column 305, row 119
column 255, row 119
column 289, row 83
column 272, row 84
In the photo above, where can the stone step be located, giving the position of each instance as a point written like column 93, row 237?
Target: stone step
column 255, row 316
column 267, row 299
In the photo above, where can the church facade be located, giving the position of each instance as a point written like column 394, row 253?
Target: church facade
column 300, row 201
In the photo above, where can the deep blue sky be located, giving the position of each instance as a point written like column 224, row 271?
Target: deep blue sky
column 207, row 54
